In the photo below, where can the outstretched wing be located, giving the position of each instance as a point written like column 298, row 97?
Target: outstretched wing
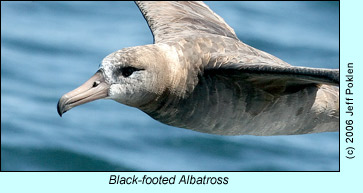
column 171, row 19
column 278, row 80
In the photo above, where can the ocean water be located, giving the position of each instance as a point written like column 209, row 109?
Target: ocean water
column 50, row 48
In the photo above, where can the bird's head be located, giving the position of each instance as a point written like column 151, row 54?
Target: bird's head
column 131, row 76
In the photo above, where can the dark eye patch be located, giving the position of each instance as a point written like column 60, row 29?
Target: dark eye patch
column 127, row 71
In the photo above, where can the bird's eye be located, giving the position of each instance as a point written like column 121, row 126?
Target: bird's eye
column 127, row 71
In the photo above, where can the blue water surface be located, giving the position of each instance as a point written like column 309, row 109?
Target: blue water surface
column 50, row 48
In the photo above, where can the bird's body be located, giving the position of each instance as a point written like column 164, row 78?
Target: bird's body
column 198, row 75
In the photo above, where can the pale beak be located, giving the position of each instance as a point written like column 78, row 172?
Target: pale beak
column 94, row 88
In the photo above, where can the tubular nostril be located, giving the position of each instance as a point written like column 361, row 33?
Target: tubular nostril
column 96, row 83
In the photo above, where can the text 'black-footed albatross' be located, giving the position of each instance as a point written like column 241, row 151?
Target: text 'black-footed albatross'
column 198, row 75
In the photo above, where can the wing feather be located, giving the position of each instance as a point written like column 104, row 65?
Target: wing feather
column 278, row 80
column 171, row 19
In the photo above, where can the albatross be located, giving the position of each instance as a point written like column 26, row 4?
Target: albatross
column 198, row 75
